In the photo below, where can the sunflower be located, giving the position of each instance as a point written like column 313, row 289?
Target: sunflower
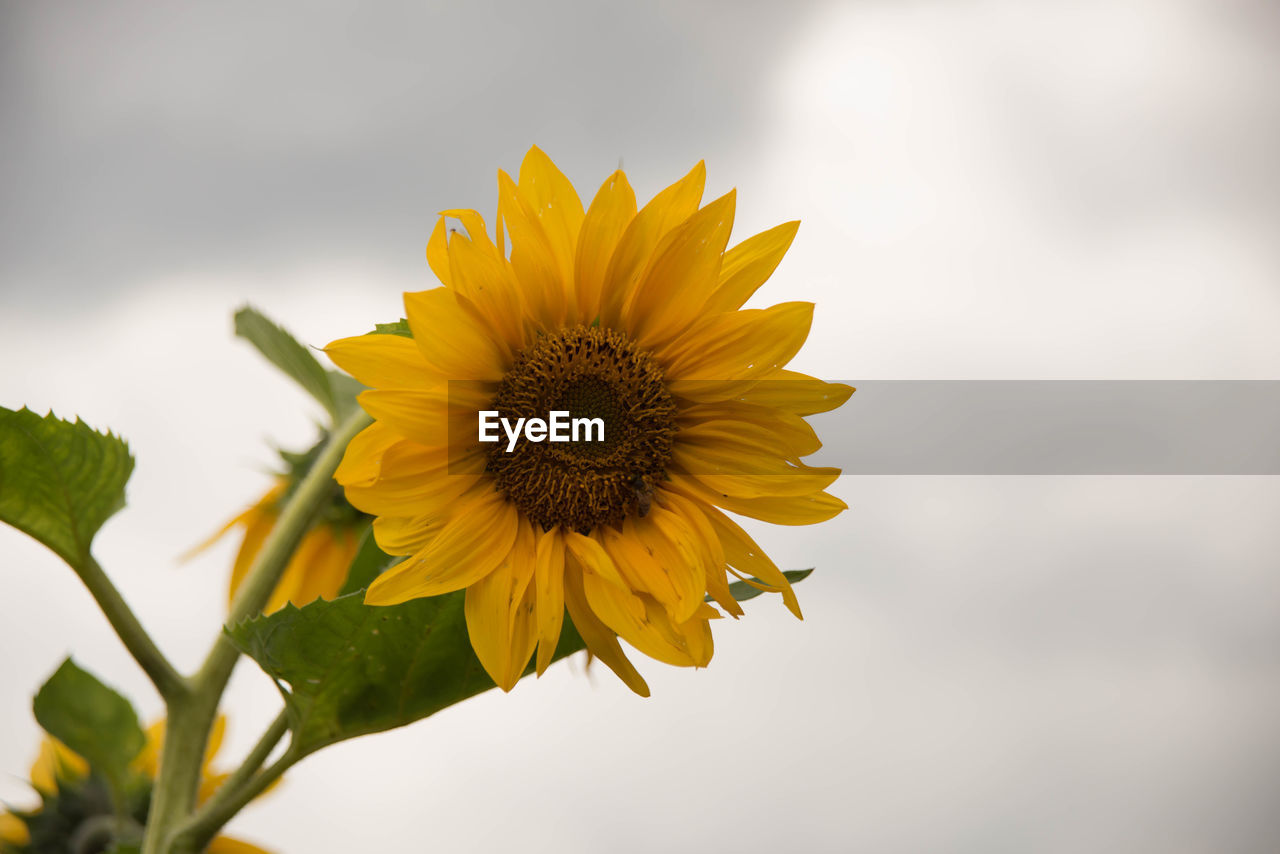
column 75, row 802
column 318, row 567
column 630, row 317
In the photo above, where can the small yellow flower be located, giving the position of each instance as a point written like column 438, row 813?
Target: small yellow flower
column 633, row 316
column 55, row 766
column 318, row 567
column 58, row 770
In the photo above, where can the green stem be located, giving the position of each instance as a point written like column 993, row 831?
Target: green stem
column 186, row 733
column 140, row 645
column 191, row 716
column 196, row 832
column 228, row 791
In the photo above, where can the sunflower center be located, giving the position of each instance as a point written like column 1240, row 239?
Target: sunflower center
column 590, row 373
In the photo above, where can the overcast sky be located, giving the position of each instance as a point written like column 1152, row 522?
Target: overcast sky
column 988, row 190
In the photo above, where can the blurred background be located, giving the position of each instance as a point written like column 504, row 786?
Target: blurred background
column 989, row 190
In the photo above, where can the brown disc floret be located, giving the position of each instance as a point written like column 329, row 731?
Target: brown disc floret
column 590, row 373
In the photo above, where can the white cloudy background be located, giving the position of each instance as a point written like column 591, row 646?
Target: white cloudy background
column 989, row 190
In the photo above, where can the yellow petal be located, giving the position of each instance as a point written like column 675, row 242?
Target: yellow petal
column 266, row 504
column 684, row 271
column 797, row 393
column 553, row 201
column 499, row 613
column 738, row 345
column 442, row 416
column 549, row 589
column 782, row 510
column 523, row 566
column 307, row 573
column 642, row 564
column 747, row 430
column 485, row 279
column 744, row 554
column 473, row 222
column 487, row 606
column 729, row 457
column 708, row 542
column 748, row 265
column 648, row 630
column 664, row 212
column 470, row 545
column 419, row 480
column 400, row 535
column 453, row 340
column 524, row 633
column 13, row 830
column 362, row 461
column 600, row 640
column 696, row 555
column 629, row 615
column 787, row 481
column 228, row 845
column 417, row 414
column 410, row 460
column 787, row 433
column 257, row 528
column 324, row 578
column 611, row 211
column 381, row 361
column 592, row 555
column 695, row 633
column 438, row 252
column 674, row 572
column 542, row 282
column 55, row 761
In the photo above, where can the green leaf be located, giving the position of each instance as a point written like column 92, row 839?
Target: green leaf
column 354, row 669
column 91, row 719
column 742, row 591
column 369, row 562
column 400, row 327
column 60, row 481
column 284, row 351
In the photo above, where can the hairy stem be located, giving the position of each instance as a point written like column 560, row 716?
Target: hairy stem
column 140, row 645
column 191, row 716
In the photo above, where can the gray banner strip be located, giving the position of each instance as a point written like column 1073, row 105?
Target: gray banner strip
column 1054, row 427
